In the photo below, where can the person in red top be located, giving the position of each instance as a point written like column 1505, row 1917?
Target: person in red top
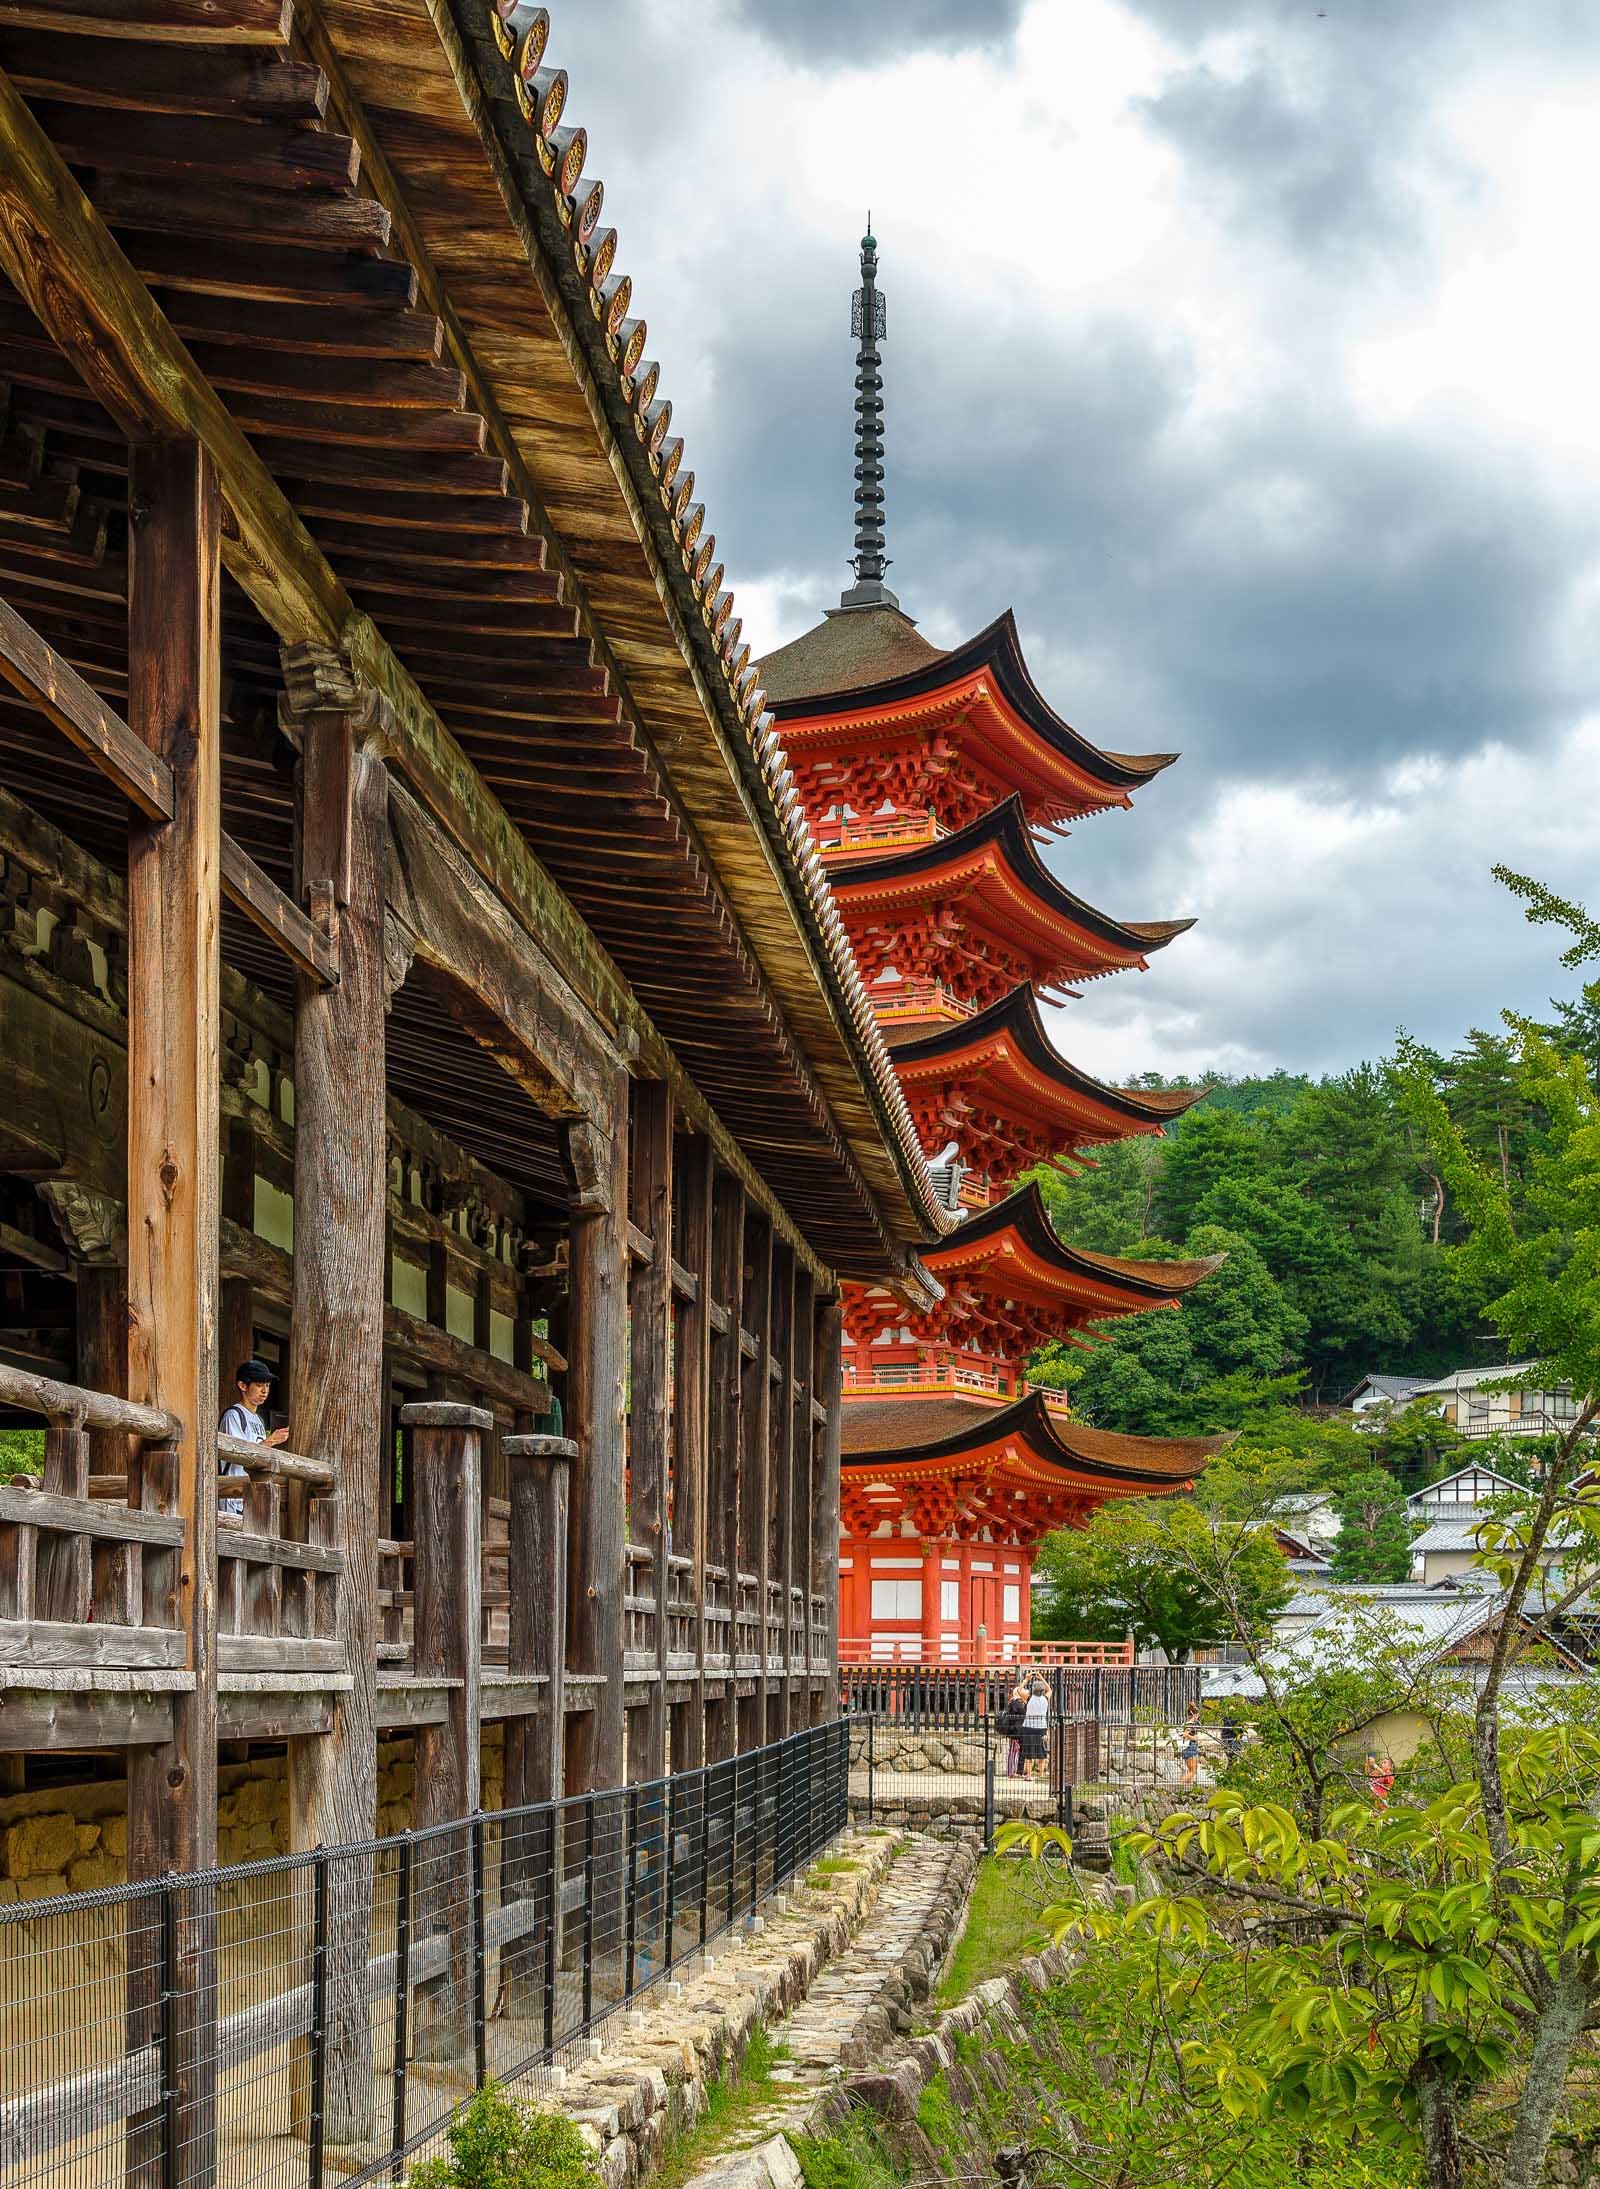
column 1380, row 1780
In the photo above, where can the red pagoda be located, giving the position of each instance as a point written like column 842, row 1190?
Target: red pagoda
column 928, row 778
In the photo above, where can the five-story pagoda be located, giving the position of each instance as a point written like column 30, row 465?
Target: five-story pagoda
column 928, row 778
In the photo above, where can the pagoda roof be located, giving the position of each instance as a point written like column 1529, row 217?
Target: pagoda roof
column 1002, row 1063
column 849, row 650
column 910, row 1440
column 1009, row 1274
column 887, row 687
column 994, row 863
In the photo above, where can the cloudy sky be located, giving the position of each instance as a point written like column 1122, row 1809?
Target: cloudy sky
column 1249, row 351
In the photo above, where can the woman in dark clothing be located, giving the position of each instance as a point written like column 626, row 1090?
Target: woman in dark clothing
column 1011, row 1728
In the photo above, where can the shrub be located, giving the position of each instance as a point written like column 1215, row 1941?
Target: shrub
column 497, row 2144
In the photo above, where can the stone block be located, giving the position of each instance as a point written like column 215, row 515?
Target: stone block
column 114, row 1836
column 93, row 1870
column 40, row 1888
column 88, row 1838
column 41, row 1846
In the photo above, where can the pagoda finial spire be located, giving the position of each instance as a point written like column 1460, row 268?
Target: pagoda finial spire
column 867, row 325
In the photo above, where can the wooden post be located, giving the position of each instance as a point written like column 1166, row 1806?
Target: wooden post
column 174, row 884
column 755, row 1460
column 723, row 1489
column 446, row 1457
column 650, row 1398
column 691, row 1428
column 827, row 1377
column 236, row 1313
column 539, row 1469
column 336, row 1401
column 802, row 1438
column 596, row 1345
column 781, row 1525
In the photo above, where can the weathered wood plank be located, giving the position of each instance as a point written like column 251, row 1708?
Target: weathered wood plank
column 650, row 1200
column 92, row 1648
column 277, row 1653
column 95, row 1409
column 177, row 22
column 35, row 669
column 149, row 78
column 86, row 1516
column 276, row 915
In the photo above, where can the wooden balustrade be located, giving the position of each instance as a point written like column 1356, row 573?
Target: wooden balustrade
column 277, row 1565
column 639, row 1604
column 87, row 1581
column 747, row 1622
column 719, row 1618
column 396, row 1603
column 683, row 1610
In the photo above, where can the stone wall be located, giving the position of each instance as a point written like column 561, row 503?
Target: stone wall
column 68, row 1839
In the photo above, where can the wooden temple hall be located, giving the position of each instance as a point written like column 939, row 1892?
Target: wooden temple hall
column 416, row 974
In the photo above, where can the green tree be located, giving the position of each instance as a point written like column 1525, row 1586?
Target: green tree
column 1374, row 1542
column 1135, row 1569
column 1210, row 1146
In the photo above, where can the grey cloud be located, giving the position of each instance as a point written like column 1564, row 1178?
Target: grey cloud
column 849, row 33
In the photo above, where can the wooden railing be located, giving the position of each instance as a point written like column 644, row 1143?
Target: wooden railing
column 278, row 1564
column 821, row 1640
column 797, row 1626
column 396, row 1646
column 960, row 1651
column 90, row 1581
column 639, row 1602
column 719, row 1618
column 747, row 1622
column 683, row 1611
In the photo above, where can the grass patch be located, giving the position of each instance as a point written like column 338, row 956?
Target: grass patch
column 732, row 2103
column 833, row 1866
column 854, row 2156
column 1003, row 1925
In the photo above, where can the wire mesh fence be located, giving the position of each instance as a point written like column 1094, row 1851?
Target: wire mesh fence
column 321, row 2016
column 934, row 1746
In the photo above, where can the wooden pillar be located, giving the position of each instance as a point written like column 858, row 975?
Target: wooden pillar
column 174, row 876
column 691, row 1428
column 802, row 1437
column 723, row 1489
column 781, row 1523
column 539, row 1468
column 596, row 1346
column 335, row 1391
column 827, row 1372
column 236, row 1310
column 755, row 1459
column 650, row 1202
column 445, row 1450
column 932, row 1619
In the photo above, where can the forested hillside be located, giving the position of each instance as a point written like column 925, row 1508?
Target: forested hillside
column 1338, row 1232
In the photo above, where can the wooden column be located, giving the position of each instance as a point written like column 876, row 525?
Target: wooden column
column 335, row 1392
column 722, row 1474
column 781, row 1523
column 596, row 1345
column 539, row 1471
column 827, row 1371
column 691, row 1427
column 650, row 1396
column 174, row 882
column 236, row 1310
column 445, row 1452
column 755, row 1462
column 804, row 1328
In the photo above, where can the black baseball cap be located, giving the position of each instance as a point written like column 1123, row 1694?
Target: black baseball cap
column 254, row 1370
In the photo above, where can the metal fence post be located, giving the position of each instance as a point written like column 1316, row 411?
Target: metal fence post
column 480, row 1960
column 872, row 1720
column 402, row 1990
column 671, row 1916
column 168, row 2038
column 588, row 1909
column 630, row 1887
column 988, row 1798
column 555, row 1840
column 319, row 2011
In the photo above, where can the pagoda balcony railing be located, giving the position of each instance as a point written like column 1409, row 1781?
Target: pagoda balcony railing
column 949, row 1382
column 895, row 1000
column 878, row 832
column 719, row 1618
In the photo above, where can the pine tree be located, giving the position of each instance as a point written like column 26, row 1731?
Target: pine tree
column 1374, row 1530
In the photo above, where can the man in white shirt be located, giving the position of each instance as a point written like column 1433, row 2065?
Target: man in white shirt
column 244, row 1420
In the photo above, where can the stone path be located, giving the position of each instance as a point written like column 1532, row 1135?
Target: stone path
column 832, row 1968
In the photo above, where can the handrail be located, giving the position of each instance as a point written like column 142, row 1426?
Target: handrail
column 71, row 1405
column 272, row 1463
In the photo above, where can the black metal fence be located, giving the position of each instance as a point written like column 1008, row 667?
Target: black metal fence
column 952, row 1697
column 319, row 2017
